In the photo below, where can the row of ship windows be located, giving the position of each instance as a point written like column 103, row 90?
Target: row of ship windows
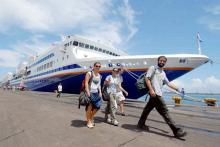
column 45, row 66
column 87, row 46
column 49, row 64
column 43, row 59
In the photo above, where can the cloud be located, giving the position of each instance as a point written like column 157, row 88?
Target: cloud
column 9, row 58
column 212, row 19
column 95, row 18
column 22, row 50
column 129, row 14
column 50, row 15
column 105, row 20
column 209, row 85
column 34, row 45
column 215, row 9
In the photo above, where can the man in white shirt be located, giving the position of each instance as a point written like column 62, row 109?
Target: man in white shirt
column 155, row 79
column 59, row 90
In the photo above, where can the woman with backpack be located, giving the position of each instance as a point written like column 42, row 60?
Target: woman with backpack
column 93, row 90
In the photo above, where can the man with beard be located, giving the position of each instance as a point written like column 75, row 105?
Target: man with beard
column 155, row 79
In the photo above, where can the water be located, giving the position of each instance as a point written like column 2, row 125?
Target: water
column 195, row 96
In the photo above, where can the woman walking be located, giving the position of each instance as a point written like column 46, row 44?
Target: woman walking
column 93, row 90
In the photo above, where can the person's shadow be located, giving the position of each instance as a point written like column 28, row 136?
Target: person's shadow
column 82, row 123
column 153, row 130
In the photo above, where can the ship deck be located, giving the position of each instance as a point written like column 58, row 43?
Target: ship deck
column 39, row 119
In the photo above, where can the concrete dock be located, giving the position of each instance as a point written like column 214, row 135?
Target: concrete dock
column 39, row 119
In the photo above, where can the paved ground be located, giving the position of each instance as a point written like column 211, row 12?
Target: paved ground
column 36, row 119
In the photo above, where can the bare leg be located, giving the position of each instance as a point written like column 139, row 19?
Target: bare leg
column 121, row 104
column 93, row 112
column 89, row 114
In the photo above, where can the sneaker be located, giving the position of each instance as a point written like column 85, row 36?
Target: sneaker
column 109, row 120
column 115, row 122
column 180, row 133
column 143, row 127
column 90, row 126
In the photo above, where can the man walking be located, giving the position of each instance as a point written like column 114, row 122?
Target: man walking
column 59, row 90
column 155, row 79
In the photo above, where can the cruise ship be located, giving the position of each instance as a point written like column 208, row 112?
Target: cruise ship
column 68, row 61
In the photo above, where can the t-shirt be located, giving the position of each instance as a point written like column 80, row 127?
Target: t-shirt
column 158, row 80
column 113, row 83
column 60, row 88
column 121, row 78
column 95, row 83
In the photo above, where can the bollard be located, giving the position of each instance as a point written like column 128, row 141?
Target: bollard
column 210, row 101
column 177, row 100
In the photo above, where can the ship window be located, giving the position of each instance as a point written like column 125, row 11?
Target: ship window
column 86, row 46
column 63, row 58
column 28, row 73
column 100, row 49
column 48, row 65
column 67, row 56
column 81, row 44
column 75, row 43
column 51, row 64
column 91, row 47
column 96, row 48
column 45, row 66
column 110, row 53
column 103, row 50
column 70, row 42
column 107, row 52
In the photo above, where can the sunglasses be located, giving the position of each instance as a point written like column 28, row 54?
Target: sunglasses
column 163, row 61
column 97, row 66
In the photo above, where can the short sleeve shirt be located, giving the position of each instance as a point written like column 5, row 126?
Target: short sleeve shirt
column 158, row 79
column 113, row 83
column 60, row 88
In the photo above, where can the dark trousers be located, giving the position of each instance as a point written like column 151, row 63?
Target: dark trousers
column 58, row 93
column 158, row 103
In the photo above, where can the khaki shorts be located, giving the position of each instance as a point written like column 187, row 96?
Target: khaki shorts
column 120, row 96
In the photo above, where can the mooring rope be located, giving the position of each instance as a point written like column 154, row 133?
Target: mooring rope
column 189, row 98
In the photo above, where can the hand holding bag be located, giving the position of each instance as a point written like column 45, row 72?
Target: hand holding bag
column 105, row 95
column 83, row 99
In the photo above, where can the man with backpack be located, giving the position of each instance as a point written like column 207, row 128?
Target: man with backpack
column 155, row 79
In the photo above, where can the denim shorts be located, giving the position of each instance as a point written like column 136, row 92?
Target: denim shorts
column 96, row 100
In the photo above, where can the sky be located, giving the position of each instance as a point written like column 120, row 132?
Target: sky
column 28, row 27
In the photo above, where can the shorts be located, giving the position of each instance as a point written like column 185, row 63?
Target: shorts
column 96, row 100
column 120, row 96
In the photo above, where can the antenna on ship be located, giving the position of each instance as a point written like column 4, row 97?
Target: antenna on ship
column 198, row 43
